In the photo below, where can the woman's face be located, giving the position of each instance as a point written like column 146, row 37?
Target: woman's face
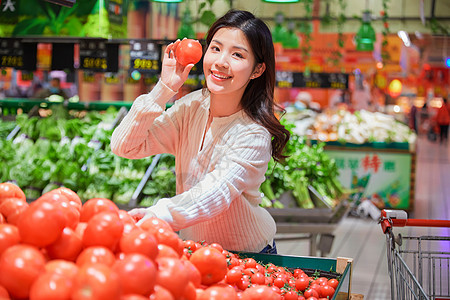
column 229, row 62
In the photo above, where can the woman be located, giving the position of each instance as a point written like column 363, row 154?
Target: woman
column 443, row 120
column 222, row 137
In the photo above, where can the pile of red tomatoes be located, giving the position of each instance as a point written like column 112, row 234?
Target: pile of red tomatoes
column 60, row 248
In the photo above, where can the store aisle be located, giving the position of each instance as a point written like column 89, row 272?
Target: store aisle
column 363, row 240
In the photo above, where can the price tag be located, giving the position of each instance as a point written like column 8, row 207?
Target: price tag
column 11, row 53
column 145, row 57
column 93, row 55
column 88, row 77
column 112, row 78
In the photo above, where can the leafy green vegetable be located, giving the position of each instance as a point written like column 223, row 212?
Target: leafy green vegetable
column 306, row 165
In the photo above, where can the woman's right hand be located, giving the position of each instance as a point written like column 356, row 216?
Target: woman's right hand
column 173, row 74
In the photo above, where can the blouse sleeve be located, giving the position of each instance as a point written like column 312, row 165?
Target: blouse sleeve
column 243, row 167
column 148, row 129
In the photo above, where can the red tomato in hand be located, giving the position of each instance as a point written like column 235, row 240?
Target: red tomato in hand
column 9, row 190
column 188, row 51
column 20, row 266
column 137, row 274
column 103, row 229
column 211, row 264
column 41, row 224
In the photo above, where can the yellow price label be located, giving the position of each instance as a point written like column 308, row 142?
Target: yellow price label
column 94, row 63
column 12, row 61
column 145, row 64
column 312, row 84
column 284, row 84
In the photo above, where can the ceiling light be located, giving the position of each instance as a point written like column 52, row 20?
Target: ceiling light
column 405, row 38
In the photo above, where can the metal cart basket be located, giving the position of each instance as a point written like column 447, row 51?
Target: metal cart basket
column 418, row 266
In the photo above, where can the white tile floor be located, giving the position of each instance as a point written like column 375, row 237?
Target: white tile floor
column 362, row 238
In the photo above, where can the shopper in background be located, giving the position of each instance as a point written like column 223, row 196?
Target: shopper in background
column 443, row 120
column 222, row 137
column 53, row 89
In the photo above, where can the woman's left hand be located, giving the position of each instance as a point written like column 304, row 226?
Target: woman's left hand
column 141, row 214
column 173, row 74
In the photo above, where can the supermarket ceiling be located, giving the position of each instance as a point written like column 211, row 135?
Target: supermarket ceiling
column 427, row 22
column 409, row 15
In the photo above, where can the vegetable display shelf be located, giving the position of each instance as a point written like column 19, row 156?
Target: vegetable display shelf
column 329, row 267
column 381, row 172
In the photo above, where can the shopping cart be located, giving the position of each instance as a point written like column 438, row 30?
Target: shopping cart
column 418, row 266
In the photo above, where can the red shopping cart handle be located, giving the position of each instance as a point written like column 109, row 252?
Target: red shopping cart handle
column 399, row 218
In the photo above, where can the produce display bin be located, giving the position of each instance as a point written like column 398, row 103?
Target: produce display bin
column 329, row 267
column 383, row 174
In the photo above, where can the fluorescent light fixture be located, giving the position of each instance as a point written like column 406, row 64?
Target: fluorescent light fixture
column 405, row 37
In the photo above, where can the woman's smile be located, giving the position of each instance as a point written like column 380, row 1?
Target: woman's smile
column 220, row 76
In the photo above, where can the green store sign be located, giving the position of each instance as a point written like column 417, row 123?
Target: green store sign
column 87, row 18
column 383, row 177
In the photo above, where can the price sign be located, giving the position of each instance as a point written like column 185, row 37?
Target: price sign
column 284, row 79
column 93, row 55
column 11, row 53
column 314, row 80
column 145, row 57
column 338, row 81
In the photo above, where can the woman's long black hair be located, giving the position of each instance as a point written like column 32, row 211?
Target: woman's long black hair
column 257, row 101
